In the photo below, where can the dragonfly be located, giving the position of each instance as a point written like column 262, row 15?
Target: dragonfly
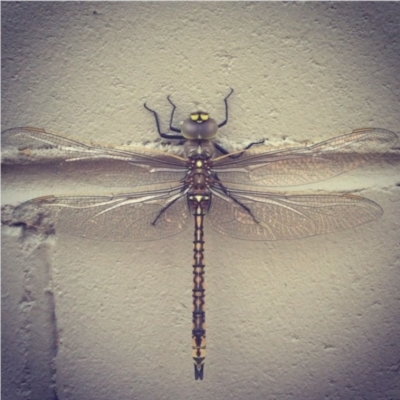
column 231, row 190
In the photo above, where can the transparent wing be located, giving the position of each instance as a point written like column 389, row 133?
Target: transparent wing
column 300, row 166
column 263, row 216
column 91, row 164
column 124, row 217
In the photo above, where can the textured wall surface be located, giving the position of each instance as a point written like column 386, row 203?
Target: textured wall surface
column 305, row 319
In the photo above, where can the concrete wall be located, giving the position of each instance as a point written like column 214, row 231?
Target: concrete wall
column 306, row 319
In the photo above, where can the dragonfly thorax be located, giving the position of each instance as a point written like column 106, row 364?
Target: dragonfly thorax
column 198, row 181
column 204, row 149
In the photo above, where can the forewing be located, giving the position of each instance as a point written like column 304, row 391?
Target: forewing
column 278, row 217
column 120, row 218
column 91, row 164
column 115, row 173
column 299, row 166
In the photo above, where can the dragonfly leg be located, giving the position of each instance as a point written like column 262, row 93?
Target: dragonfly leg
column 165, row 208
column 226, row 152
column 226, row 110
column 261, row 141
column 225, row 190
column 162, row 134
column 173, row 129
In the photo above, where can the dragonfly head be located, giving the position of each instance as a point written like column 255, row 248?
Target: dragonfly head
column 199, row 126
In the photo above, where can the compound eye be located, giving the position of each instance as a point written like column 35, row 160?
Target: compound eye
column 199, row 127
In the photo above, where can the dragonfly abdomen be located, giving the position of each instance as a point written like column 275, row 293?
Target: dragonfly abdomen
column 199, row 205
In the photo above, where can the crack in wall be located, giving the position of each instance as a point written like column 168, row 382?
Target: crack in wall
column 29, row 312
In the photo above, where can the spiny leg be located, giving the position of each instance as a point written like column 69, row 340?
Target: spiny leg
column 226, row 152
column 226, row 110
column 162, row 134
column 226, row 191
column 218, row 146
column 172, row 116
